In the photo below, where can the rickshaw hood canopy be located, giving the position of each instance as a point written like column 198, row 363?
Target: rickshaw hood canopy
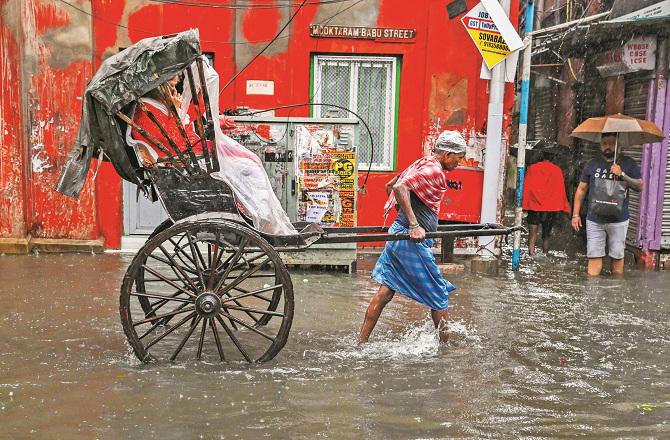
column 120, row 80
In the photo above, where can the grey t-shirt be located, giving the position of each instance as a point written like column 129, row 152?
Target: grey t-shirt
column 424, row 215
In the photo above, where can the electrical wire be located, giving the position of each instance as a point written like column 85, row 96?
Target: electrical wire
column 278, row 5
column 367, row 127
column 239, row 72
column 153, row 33
column 567, row 19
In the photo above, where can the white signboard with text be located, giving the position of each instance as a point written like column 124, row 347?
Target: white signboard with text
column 260, row 87
column 636, row 54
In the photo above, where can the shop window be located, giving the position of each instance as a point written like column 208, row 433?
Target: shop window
column 368, row 86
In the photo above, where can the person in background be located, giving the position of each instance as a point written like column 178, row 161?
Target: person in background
column 408, row 266
column 544, row 199
column 605, row 231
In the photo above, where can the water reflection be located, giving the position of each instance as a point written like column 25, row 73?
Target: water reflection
column 542, row 352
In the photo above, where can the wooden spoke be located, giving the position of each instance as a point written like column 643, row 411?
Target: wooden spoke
column 179, row 251
column 194, row 250
column 233, row 338
column 171, row 283
column 240, row 305
column 174, row 280
column 217, row 339
column 153, row 308
column 177, row 269
column 244, row 324
column 201, row 340
column 236, row 257
column 248, row 262
column 252, row 310
column 165, row 315
column 170, row 330
column 214, row 264
column 186, row 337
column 241, row 277
column 167, row 298
column 252, row 293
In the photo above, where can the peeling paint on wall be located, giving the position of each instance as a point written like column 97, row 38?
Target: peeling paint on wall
column 12, row 203
column 364, row 14
column 56, row 65
column 245, row 52
column 449, row 98
column 476, row 141
column 71, row 43
column 122, row 38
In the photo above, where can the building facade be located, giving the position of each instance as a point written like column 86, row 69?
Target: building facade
column 606, row 58
column 410, row 71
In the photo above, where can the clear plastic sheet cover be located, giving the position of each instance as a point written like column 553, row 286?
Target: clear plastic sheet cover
column 241, row 169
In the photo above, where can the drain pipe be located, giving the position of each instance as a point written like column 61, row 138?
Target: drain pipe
column 493, row 153
column 523, row 130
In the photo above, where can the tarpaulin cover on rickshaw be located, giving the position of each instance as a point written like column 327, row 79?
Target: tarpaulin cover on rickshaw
column 120, row 80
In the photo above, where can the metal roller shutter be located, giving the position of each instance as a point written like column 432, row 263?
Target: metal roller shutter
column 665, row 228
column 544, row 118
column 635, row 104
column 591, row 104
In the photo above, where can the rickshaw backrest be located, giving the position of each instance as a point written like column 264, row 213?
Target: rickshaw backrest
column 186, row 196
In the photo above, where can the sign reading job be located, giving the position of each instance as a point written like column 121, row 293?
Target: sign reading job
column 492, row 32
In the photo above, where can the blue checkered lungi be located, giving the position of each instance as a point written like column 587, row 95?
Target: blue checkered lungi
column 410, row 268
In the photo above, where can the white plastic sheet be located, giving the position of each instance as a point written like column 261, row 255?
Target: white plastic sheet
column 241, row 169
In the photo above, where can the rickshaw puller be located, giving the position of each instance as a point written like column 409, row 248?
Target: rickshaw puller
column 408, row 266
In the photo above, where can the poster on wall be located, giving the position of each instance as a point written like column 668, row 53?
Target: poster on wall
column 327, row 188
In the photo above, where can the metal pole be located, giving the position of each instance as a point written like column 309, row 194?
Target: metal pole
column 523, row 130
column 493, row 151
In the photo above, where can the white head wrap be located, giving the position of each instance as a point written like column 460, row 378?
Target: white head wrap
column 451, row 142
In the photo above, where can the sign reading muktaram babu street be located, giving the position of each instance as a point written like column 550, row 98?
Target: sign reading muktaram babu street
column 636, row 54
column 364, row 33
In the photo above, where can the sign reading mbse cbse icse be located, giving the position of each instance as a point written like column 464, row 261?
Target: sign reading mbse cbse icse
column 492, row 32
column 638, row 53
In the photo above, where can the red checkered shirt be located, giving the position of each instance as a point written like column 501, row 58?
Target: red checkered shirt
column 426, row 179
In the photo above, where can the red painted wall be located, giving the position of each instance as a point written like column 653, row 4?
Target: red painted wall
column 439, row 88
column 12, row 159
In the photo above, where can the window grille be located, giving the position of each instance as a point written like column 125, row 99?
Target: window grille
column 367, row 86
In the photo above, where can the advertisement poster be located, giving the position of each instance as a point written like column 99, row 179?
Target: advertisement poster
column 327, row 188
column 491, row 32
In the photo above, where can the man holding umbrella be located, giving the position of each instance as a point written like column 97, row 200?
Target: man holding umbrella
column 606, row 180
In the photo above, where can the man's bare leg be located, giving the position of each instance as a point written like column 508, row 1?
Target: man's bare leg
column 595, row 267
column 617, row 266
column 532, row 239
column 440, row 318
column 383, row 296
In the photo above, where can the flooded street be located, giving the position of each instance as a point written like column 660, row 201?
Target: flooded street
column 541, row 353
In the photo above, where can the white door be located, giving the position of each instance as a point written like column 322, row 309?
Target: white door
column 140, row 215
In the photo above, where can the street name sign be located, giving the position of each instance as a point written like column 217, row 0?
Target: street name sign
column 364, row 33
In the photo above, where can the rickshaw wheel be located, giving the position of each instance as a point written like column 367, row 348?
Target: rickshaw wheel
column 144, row 302
column 213, row 288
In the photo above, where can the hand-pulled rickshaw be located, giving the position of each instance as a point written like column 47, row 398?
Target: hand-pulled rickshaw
column 209, row 283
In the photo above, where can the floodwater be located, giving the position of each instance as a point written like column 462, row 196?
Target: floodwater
column 541, row 353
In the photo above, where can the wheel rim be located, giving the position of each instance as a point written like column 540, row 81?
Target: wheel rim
column 210, row 290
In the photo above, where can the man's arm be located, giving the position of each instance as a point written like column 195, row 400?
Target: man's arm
column 577, row 206
column 402, row 196
column 390, row 183
column 636, row 184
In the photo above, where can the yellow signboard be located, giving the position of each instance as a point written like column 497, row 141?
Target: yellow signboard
column 481, row 25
